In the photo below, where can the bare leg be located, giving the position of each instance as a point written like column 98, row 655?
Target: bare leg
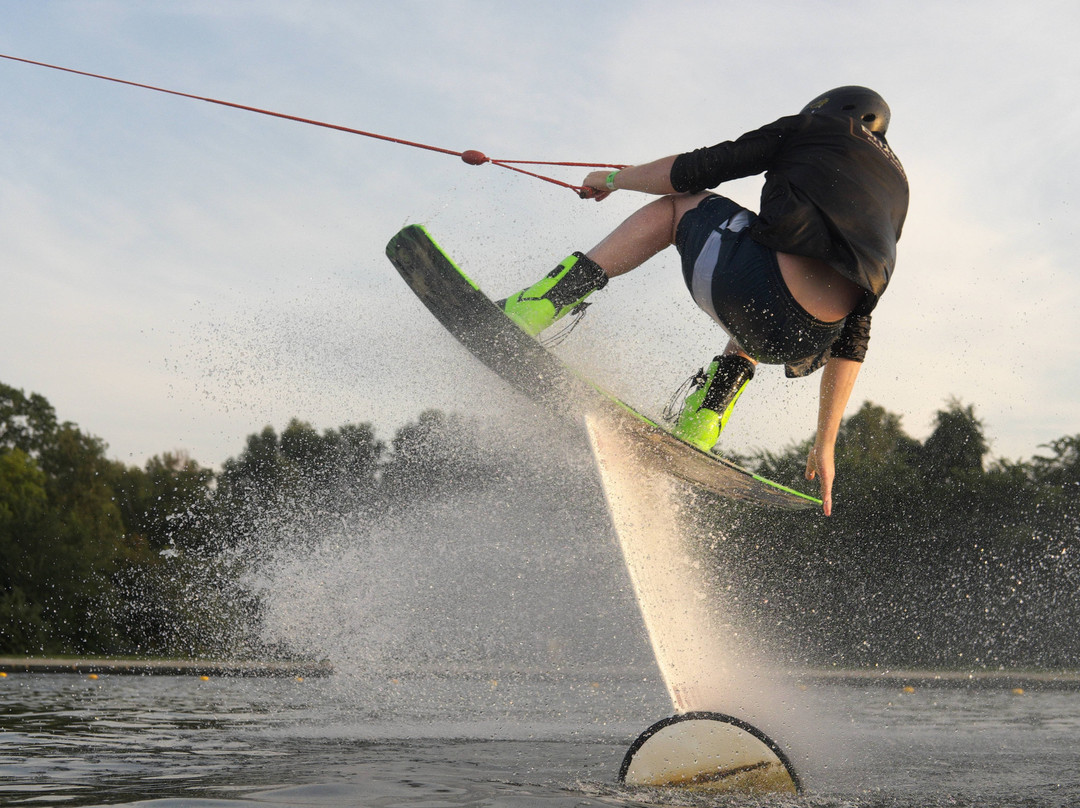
column 734, row 348
column 644, row 234
column 632, row 243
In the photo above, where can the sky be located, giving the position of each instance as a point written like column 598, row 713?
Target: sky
column 177, row 275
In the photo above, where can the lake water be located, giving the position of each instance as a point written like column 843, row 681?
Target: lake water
column 513, row 739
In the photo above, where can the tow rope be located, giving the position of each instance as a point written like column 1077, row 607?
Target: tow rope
column 470, row 156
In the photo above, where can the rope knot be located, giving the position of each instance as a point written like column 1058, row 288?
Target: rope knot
column 474, row 158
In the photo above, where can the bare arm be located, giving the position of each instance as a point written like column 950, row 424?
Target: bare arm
column 649, row 178
column 837, row 381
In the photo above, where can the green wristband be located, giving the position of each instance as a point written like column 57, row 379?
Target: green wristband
column 610, row 183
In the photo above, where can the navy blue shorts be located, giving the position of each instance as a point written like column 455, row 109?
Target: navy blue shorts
column 737, row 282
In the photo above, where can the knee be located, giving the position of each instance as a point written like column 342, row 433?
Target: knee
column 680, row 205
column 662, row 215
column 663, row 205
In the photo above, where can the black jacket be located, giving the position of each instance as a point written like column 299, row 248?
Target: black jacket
column 832, row 191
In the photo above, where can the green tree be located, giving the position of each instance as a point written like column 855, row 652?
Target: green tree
column 1062, row 467
column 26, row 422
column 299, row 472
column 84, row 545
column 957, row 444
column 63, row 536
column 60, row 556
column 23, row 521
column 166, row 504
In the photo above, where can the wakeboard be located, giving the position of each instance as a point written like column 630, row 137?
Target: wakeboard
column 520, row 360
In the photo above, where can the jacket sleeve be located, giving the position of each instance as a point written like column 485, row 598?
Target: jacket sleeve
column 750, row 154
column 854, row 338
column 852, row 342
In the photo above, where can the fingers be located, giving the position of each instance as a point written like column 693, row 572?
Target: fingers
column 824, row 470
column 826, row 495
column 592, row 193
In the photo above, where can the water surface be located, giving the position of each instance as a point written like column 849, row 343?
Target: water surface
column 514, row 739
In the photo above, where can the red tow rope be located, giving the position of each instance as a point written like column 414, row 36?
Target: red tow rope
column 470, row 156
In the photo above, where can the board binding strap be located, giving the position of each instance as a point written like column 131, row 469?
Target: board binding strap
column 708, row 751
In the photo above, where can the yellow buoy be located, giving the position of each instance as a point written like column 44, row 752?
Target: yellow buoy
column 92, row 676
column 3, row 675
column 909, row 689
column 204, row 678
column 1018, row 691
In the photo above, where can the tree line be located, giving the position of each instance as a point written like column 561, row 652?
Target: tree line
column 99, row 557
column 936, row 554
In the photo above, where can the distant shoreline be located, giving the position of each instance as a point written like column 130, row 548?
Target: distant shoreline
column 1026, row 679
column 165, row 667
column 986, row 679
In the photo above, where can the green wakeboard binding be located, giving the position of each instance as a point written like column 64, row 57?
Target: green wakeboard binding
column 555, row 295
column 707, row 409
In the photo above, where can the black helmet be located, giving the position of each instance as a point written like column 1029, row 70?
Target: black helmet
column 860, row 103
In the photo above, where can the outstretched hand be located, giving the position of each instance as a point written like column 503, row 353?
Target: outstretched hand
column 820, row 463
column 596, row 182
